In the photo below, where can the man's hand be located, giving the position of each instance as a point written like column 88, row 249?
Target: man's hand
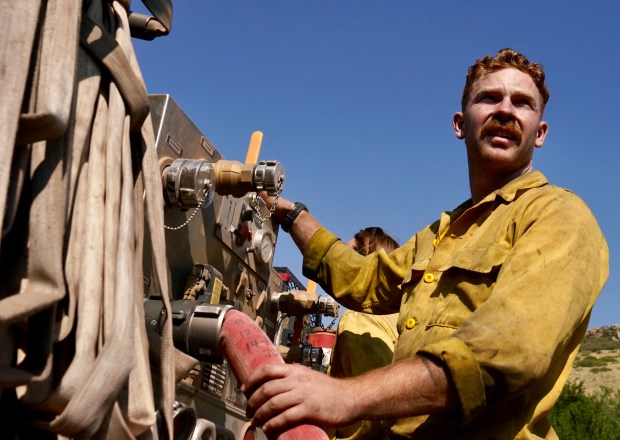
column 304, row 226
column 281, row 396
column 282, row 208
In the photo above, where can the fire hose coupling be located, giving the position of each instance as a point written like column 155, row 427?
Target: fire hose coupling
column 269, row 176
column 306, row 355
column 328, row 306
column 196, row 326
column 300, row 302
column 237, row 179
column 187, row 182
column 190, row 183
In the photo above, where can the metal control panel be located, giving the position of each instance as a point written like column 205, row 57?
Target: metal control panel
column 228, row 234
column 220, row 244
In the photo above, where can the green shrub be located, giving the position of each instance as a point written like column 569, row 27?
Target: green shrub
column 591, row 361
column 600, row 344
column 578, row 416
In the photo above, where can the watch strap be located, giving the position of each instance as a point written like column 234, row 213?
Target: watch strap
column 287, row 221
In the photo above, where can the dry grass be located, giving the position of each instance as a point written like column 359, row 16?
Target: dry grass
column 598, row 362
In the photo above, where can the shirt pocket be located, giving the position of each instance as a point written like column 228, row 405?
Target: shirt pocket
column 466, row 282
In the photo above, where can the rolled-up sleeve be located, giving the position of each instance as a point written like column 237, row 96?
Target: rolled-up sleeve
column 363, row 283
column 464, row 371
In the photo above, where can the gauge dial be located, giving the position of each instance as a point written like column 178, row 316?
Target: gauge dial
column 263, row 245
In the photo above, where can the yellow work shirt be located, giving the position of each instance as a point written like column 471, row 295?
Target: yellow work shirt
column 363, row 342
column 500, row 293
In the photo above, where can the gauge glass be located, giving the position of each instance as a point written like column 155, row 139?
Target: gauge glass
column 263, row 245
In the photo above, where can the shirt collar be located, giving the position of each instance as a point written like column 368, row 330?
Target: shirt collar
column 515, row 187
column 508, row 192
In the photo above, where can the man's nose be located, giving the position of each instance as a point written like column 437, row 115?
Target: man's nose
column 505, row 110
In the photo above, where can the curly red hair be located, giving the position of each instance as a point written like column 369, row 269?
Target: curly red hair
column 505, row 58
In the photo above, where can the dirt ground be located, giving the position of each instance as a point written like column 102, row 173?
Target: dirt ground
column 593, row 379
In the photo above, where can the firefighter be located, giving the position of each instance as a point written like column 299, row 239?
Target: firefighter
column 494, row 298
column 364, row 341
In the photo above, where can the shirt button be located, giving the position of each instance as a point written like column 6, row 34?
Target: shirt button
column 435, row 242
column 429, row 277
column 410, row 323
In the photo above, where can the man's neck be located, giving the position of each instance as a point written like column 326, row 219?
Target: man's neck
column 482, row 184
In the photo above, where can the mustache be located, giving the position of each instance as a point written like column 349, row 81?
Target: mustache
column 508, row 129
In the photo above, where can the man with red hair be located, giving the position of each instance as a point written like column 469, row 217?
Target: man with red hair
column 494, row 297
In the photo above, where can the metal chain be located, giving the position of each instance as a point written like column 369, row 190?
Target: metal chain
column 255, row 205
column 329, row 327
column 192, row 215
column 317, row 322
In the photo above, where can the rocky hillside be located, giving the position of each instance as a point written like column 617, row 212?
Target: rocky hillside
column 598, row 361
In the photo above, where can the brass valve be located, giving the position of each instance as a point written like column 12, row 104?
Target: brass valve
column 191, row 182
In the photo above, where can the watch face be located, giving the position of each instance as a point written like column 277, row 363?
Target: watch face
column 263, row 245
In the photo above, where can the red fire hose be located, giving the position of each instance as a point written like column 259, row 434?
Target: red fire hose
column 247, row 347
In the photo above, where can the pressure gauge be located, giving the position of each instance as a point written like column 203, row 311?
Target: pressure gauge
column 262, row 245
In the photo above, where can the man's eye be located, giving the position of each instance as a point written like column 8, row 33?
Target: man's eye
column 487, row 99
column 522, row 103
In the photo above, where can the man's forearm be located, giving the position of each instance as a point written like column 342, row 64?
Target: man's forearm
column 303, row 229
column 281, row 396
column 412, row 387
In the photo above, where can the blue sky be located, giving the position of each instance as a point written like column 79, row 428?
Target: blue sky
column 356, row 99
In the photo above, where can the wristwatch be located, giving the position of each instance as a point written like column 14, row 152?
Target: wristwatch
column 288, row 220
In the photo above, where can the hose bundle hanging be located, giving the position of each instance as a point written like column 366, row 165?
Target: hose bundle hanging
column 78, row 178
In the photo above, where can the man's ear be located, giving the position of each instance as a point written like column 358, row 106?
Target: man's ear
column 457, row 123
column 541, row 134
